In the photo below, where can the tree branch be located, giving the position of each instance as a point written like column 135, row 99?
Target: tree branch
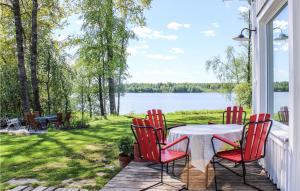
column 6, row 5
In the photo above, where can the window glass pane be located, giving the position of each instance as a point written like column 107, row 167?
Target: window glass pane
column 279, row 66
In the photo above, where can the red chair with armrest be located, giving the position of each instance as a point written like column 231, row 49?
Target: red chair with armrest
column 252, row 146
column 158, row 120
column 151, row 150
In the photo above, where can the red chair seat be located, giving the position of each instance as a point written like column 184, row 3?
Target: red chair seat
column 170, row 155
column 232, row 155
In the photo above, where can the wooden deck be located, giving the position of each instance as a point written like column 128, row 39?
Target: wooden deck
column 42, row 188
column 137, row 176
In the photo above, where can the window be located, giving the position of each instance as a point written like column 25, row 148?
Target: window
column 278, row 66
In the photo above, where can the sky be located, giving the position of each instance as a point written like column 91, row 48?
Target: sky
column 179, row 37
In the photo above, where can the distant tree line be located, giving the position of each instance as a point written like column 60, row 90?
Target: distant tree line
column 173, row 87
column 281, row 86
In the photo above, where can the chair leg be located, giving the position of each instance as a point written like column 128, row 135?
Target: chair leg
column 173, row 167
column 167, row 168
column 215, row 173
column 188, row 172
column 161, row 172
column 244, row 173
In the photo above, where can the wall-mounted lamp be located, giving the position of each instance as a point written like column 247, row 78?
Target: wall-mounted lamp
column 281, row 36
column 241, row 36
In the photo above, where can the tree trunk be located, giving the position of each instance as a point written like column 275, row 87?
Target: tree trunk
column 90, row 99
column 20, row 53
column 82, row 105
column 33, row 57
column 111, row 94
column 110, row 56
column 101, row 100
column 119, row 92
column 48, row 84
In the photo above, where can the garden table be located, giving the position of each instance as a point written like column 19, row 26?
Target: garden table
column 46, row 119
column 200, row 145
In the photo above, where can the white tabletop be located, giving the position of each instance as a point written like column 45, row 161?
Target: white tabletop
column 200, row 140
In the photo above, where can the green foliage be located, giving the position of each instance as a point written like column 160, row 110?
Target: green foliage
column 173, row 87
column 125, row 145
column 281, row 86
column 53, row 72
column 243, row 93
column 231, row 70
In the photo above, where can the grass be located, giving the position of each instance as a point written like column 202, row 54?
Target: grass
column 88, row 156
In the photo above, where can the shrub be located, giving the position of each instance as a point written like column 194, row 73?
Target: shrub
column 243, row 93
column 125, row 145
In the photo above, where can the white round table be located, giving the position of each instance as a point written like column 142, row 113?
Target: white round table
column 200, row 140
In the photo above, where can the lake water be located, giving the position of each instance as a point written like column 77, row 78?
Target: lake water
column 171, row 102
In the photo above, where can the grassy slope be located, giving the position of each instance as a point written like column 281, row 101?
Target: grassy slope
column 77, row 154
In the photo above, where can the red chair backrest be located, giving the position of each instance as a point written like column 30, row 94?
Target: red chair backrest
column 31, row 120
column 156, row 120
column 68, row 117
column 283, row 114
column 234, row 115
column 59, row 116
column 147, row 139
column 256, row 136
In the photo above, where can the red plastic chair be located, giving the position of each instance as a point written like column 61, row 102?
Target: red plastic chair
column 283, row 115
column 59, row 122
column 251, row 148
column 233, row 115
column 158, row 120
column 151, row 150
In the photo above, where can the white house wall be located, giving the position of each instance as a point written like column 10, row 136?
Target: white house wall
column 262, row 12
column 294, row 60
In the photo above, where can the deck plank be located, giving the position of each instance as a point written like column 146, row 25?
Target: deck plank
column 40, row 188
column 18, row 188
column 138, row 175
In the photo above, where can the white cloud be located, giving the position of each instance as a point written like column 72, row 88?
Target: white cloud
column 243, row 9
column 176, row 51
column 281, row 46
column 161, row 57
column 282, row 24
column 209, row 33
column 145, row 32
column 227, row 3
column 137, row 49
column 215, row 25
column 175, row 26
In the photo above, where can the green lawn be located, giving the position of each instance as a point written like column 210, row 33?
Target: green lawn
column 83, row 154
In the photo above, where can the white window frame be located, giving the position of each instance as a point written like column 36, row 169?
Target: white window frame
column 262, row 57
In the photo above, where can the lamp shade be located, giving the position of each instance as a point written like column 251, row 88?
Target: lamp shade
column 281, row 37
column 241, row 38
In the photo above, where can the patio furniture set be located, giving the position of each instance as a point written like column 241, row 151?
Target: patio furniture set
column 37, row 122
column 235, row 140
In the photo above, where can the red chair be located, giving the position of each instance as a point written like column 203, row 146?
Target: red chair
column 32, row 123
column 283, row 115
column 251, row 148
column 158, row 120
column 233, row 115
column 151, row 150
column 67, row 119
column 59, row 122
